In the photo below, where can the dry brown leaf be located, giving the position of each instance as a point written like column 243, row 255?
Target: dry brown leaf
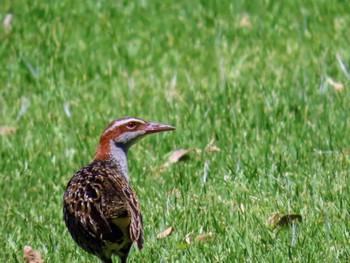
column 4, row 130
column 31, row 255
column 212, row 148
column 245, row 22
column 166, row 232
column 287, row 219
column 178, row 155
column 204, row 237
column 336, row 85
column 274, row 218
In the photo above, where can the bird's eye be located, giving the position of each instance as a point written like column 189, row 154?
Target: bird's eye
column 131, row 125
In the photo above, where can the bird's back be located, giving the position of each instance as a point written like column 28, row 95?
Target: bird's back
column 102, row 212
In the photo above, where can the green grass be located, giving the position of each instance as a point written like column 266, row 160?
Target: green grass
column 260, row 92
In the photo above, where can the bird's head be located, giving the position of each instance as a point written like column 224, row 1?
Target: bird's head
column 123, row 133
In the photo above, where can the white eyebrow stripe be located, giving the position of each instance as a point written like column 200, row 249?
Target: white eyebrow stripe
column 122, row 122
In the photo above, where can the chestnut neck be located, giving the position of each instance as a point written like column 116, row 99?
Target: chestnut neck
column 109, row 150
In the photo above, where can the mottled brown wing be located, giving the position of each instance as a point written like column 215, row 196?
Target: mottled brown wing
column 100, row 203
column 130, row 207
column 82, row 200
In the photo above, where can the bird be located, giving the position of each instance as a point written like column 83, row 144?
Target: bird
column 101, row 210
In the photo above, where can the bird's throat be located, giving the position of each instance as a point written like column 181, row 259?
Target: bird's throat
column 119, row 156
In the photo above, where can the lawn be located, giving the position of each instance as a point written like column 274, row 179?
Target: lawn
column 265, row 82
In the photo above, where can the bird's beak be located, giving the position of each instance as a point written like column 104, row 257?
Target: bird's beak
column 152, row 127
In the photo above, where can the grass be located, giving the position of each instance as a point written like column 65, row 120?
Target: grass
column 261, row 92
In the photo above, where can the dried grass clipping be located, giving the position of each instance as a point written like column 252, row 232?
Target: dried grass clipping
column 212, row 148
column 204, row 237
column 336, row 85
